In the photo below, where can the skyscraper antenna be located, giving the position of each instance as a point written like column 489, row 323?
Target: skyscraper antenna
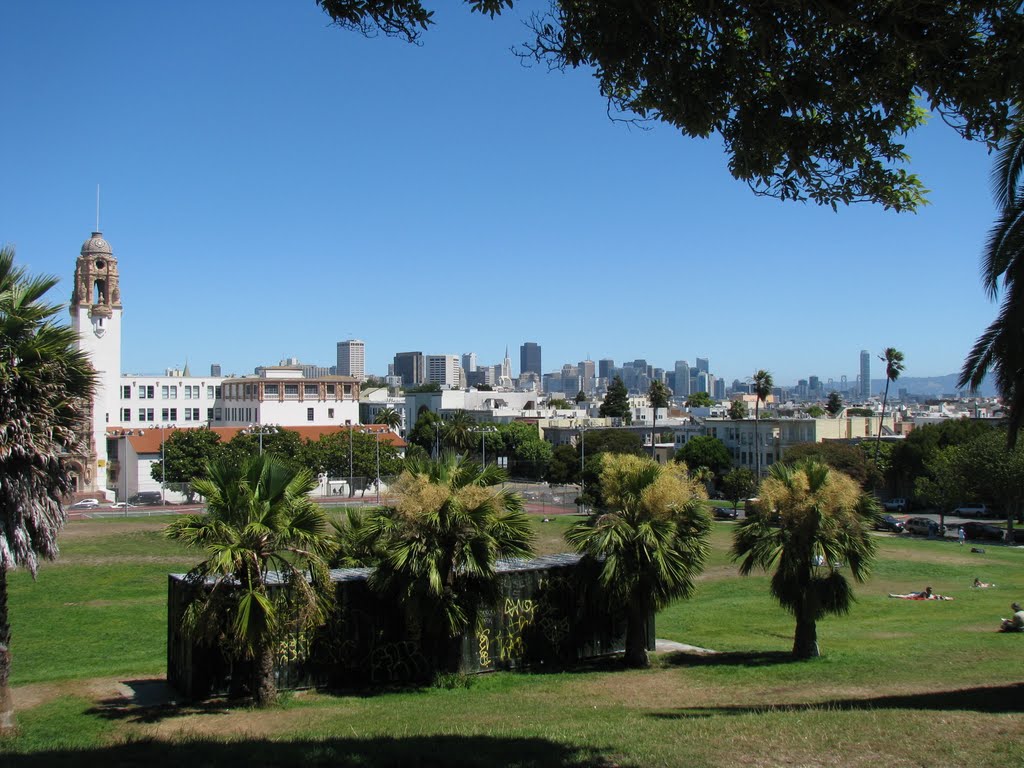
column 97, row 207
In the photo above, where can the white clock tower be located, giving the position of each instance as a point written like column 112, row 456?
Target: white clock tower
column 96, row 315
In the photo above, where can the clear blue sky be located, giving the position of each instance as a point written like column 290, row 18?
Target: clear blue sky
column 272, row 185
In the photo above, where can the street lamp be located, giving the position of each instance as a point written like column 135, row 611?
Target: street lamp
column 261, row 430
column 583, row 457
column 351, row 489
column 377, row 435
column 483, row 447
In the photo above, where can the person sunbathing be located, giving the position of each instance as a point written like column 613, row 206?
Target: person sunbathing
column 1016, row 622
column 981, row 584
column 926, row 595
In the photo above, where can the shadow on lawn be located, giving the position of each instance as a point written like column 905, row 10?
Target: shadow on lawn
column 381, row 752
column 153, row 701
column 731, row 659
column 1003, row 699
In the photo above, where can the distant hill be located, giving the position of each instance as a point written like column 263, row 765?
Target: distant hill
column 932, row 386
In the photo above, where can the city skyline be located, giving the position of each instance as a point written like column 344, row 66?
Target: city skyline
column 245, row 236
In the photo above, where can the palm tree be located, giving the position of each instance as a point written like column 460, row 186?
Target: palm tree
column 809, row 523
column 259, row 518
column 390, row 417
column 657, row 396
column 652, row 543
column 457, row 432
column 893, row 360
column 46, row 387
column 1001, row 347
column 762, row 389
column 441, row 543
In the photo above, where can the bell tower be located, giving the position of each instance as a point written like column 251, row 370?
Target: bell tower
column 96, row 316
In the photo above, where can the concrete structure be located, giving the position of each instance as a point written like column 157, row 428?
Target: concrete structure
column 469, row 362
column 865, row 375
column 530, row 359
column 285, row 397
column 352, row 359
column 174, row 399
column 96, row 317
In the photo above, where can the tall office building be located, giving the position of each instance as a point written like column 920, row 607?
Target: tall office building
column 529, row 358
column 682, row 387
column 410, row 366
column 469, row 362
column 865, row 374
column 702, row 365
column 587, row 372
column 443, row 370
column 605, row 368
column 352, row 358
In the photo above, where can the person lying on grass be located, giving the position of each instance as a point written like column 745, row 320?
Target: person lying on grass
column 926, row 595
column 981, row 584
column 1016, row 622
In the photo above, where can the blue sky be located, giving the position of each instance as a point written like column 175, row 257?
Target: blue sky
column 272, row 185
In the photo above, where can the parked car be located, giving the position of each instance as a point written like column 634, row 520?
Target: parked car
column 983, row 532
column 895, row 505
column 974, row 510
column 149, row 498
column 122, row 505
column 726, row 513
column 924, row 526
column 889, row 523
column 85, row 504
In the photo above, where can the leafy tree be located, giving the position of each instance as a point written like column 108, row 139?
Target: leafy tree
column 581, row 397
column 823, row 528
column 851, row 460
column 835, row 404
column 565, row 461
column 565, row 465
column 699, row 400
column 46, row 388
column 373, row 382
column 944, row 487
column 616, row 401
column 330, row 455
column 187, row 454
column 738, row 484
column 484, row 388
column 815, row 411
column 859, row 412
column 529, row 455
column 738, row 410
column 751, row 72
column 559, row 403
column 258, row 519
column 999, row 348
column 426, row 432
column 419, row 388
column 705, row 451
column 651, row 543
column 996, row 475
column 657, row 397
column 284, row 443
column 762, row 390
column 893, row 360
column 441, row 543
column 389, row 416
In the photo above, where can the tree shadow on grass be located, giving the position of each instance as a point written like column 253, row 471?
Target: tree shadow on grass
column 381, row 752
column 730, row 659
column 1000, row 699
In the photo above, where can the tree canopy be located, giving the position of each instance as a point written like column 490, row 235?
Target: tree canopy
column 705, row 451
column 699, row 400
column 810, row 99
column 616, row 401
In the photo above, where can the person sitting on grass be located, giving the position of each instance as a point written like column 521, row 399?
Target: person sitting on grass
column 926, row 595
column 1016, row 622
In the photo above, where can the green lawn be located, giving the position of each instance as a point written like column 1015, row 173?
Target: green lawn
column 900, row 683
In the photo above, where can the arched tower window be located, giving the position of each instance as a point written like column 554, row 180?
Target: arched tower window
column 99, row 292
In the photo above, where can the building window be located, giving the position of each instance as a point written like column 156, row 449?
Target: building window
column 248, row 391
column 142, row 393
column 188, row 414
column 309, row 414
column 209, row 392
column 330, row 413
column 126, row 392
column 291, row 391
column 187, row 393
column 330, row 390
column 270, row 389
column 174, row 414
column 145, row 414
column 209, row 414
column 311, row 390
column 217, row 414
column 126, row 414
column 216, row 393
column 164, row 414
column 347, row 390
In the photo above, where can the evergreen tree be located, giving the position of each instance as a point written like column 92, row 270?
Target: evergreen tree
column 616, row 401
